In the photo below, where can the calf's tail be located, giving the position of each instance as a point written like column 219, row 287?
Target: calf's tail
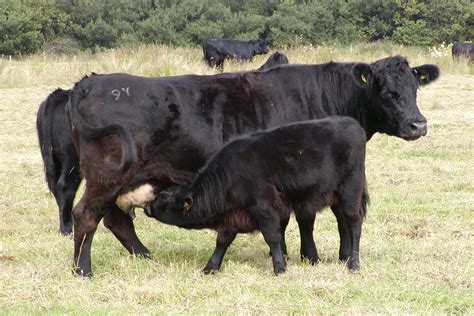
column 364, row 202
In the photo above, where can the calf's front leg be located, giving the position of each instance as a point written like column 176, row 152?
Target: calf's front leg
column 224, row 239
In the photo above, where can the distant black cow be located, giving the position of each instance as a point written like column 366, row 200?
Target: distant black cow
column 463, row 50
column 274, row 60
column 254, row 182
column 61, row 163
column 216, row 50
column 132, row 130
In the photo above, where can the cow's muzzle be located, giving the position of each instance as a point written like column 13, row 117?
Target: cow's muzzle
column 416, row 129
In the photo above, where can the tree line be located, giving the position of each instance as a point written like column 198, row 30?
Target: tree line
column 29, row 26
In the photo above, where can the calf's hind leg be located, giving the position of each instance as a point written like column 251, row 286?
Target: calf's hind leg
column 64, row 192
column 224, row 239
column 121, row 225
column 269, row 224
column 305, row 219
column 344, row 236
column 349, row 203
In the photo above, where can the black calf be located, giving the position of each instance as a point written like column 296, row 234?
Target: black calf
column 252, row 184
column 61, row 163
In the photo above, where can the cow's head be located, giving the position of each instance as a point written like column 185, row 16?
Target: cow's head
column 259, row 47
column 392, row 85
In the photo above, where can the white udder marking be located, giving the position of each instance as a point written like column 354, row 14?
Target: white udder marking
column 139, row 197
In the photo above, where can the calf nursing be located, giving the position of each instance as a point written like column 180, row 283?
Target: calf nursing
column 253, row 182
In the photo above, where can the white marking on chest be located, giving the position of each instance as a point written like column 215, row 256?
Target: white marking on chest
column 139, row 197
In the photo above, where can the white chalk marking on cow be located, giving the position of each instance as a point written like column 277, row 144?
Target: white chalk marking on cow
column 116, row 94
column 127, row 91
column 139, row 197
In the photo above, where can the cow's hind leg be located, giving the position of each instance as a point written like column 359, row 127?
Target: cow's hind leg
column 64, row 192
column 305, row 219
column 224, row 239
column 121, row 225
column 85, row 225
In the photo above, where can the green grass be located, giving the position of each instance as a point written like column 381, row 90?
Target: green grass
column 416, row 249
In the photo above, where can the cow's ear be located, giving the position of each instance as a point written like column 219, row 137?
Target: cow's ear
column 426, row 73
column 187, row 203
column 362, row 74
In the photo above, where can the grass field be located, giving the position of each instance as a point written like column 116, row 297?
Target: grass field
column 416, row 248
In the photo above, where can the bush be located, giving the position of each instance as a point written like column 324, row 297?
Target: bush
column 26, row 24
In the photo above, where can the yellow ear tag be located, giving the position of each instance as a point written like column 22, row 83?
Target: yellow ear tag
column 186, row 206
column 364, row 79
column 422, row 77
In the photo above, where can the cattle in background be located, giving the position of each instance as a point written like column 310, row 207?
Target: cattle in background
column 61, row 163
column 274, row 60
column 216, row 50
column 463, row 50
column 253, row 183
column 132, row 130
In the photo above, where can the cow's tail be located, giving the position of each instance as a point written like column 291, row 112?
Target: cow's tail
column 44, row 121
column 90, row 133
column 365, row 201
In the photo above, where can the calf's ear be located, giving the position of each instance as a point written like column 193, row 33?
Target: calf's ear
column 362, row 74
column 426, row 73
column 164, row 195
column 187, row 203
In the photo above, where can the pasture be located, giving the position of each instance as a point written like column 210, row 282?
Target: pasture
column 417, row 248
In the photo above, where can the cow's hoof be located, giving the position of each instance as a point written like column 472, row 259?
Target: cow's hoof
column 77, row 271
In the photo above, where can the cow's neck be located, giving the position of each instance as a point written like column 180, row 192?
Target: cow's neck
column 348, row 99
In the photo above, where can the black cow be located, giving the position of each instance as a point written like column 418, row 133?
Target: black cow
column 133, row 130
column 216, row 50
column 463, row 50
column 274, row 60
column 253, row 183
column 61, row 163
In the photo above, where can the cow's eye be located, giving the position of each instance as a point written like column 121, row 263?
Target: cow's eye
column 392, row 95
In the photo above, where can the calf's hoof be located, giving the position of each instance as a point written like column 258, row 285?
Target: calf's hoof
column 208, row 269
column 279, row 269
column 65, row 230
column 313, row 260
column 144, row 255
column 353, row 264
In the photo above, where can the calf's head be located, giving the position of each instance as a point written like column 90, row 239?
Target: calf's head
column 391, row 85
column 171, row 206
